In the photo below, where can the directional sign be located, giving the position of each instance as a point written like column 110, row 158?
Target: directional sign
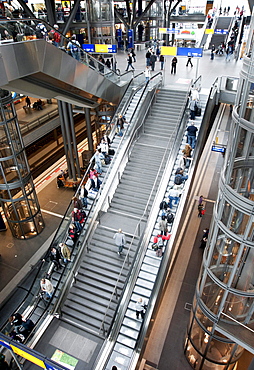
column 219, row 149
column 89, row 48
column 169, row 30
column 220, row 32
column 190, row 52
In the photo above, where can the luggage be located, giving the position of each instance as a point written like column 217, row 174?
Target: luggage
column 170, row 218
column 92, row 194
column 111, row 152
column 198, row 112
column 107, row 160
column 163, row 205
column 178, row 179
column 69, row 242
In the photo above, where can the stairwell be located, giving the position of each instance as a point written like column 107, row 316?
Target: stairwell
column 92, row 299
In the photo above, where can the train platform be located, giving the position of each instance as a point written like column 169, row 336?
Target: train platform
column 167, row 339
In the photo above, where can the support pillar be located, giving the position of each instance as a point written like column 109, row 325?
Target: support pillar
column 89, row 129
column 17, row 193
column 69, row 139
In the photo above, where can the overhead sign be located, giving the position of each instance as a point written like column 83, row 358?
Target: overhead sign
column 104, row 49
column 190, row 52
column 218, row 148
column 183, row 52
column 169, row 30
column 89, row 48
column 220, row 32
column 168, row 50
column 217, row 31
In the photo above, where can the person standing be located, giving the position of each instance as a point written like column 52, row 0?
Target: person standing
column 140, row 308
column 73, row 48
column 148, row 56
column 65, row 252
column 204, row 238
column 147, row 73
column 97, row 158
column 200, row 200
column 55, row 257
column 28, row 102
column 189, row 61
column 83, row 195
column 47, row 287
column 173, row 195
column 192, row 106
column 191, row 135
column 187, row 154
column 56, row 36
column 153, row 59
column 173, row 65
column 120, row 241
column 161, row 60
column 129, row 61
column 163, row 225
column 200, row 210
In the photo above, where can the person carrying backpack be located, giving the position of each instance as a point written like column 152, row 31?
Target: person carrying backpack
column 133, row 55
column 73, row 48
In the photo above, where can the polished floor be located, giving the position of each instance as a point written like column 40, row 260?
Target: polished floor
column 165, row 345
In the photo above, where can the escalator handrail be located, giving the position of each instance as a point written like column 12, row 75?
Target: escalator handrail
column 42, row 261
column 102, row 68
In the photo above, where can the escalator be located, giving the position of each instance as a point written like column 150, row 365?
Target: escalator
column 223, row 23
column 37, row 68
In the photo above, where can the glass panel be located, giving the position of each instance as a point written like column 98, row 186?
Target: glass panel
column 241, row 141
column 225, row 213
column 249, row 112
column 250, row 236
column 212, row 295
column 237, row 307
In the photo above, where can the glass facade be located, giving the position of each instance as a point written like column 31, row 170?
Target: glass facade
column 221, row 324
column 17, row 194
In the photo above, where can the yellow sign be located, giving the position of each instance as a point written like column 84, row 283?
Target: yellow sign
column 162, row 30
column 101, row 48
column 209, row 31
column 28, row 357
column 168, row 50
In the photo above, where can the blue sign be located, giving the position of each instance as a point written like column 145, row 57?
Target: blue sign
column 219, row 31
column 112, row 49
column 190, row 52
column 89, row 48
column 219, row 149
column 130, row 39
column 119, row 37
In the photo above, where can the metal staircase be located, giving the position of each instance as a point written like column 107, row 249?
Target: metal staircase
column 93, row 297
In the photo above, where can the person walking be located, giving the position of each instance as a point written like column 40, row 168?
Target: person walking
column 200, row 200
column 173, row 65
column 120, row 241
column 147, row 73
column 162, row 60
column 191, row 135
column 153, row 59
column 133, row 55
column 189, row 61
column 129, row 61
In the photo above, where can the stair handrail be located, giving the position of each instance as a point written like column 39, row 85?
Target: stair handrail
column 30, row 25
column 144, row 216
column 138, row 258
